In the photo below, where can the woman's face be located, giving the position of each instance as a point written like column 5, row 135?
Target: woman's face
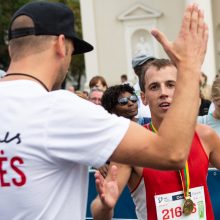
column 127, row 105
column 100, row 86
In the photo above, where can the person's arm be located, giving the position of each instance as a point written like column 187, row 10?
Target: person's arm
column 211, row 143
column 109, row 190
column 169, row 148
column 214, row 157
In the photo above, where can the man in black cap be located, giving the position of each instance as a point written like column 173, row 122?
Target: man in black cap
column 49, row 137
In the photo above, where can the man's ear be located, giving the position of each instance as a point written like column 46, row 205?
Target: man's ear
column 144, row 98
column 9, row 50
column 60, row 45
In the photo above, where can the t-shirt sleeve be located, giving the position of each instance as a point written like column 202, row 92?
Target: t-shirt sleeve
column 81, row 132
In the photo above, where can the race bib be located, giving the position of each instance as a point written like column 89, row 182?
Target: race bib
column 170, row 205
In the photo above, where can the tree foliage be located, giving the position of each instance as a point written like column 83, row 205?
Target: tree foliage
column 7, row 9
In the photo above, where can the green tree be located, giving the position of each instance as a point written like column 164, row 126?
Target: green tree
column 7, row 9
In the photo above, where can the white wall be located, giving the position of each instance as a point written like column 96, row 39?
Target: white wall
column 110, row 36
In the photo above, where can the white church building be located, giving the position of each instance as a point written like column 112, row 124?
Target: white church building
column 120, row 29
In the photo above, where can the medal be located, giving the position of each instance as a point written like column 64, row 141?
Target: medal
column 187, row 206
column 185, row 179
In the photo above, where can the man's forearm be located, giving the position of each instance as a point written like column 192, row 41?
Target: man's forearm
column 187, row 53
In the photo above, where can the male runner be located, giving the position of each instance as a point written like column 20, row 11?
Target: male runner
column 163, row 194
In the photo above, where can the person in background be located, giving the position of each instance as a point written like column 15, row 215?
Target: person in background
column 71, row 89
column 212, row 106
column 2, row 71
column 204, row 90
column 124, row 79
column 122, row 101
column 213, row 119
column 86, row 93
column 81, row 94
column 139, row 62
column 95, row 95
column 98, row 82
column 152, row 190
column 205, row 87
column 204, row 106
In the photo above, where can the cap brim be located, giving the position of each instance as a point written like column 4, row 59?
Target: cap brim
column 146, row 60
column 81, row 46
column 139, row 63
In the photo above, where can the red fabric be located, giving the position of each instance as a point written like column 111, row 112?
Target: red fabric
column 161, row 182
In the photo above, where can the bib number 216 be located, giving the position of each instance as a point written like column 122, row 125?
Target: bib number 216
column 174, row 213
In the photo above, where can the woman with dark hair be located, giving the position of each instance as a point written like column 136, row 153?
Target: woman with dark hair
column 121, row 100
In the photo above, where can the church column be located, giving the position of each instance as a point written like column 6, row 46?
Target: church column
column 88, row 29
column 209, row 65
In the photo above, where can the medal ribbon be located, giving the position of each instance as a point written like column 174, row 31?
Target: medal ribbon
column 184, row 173
column 185, row 180
column 152, row 128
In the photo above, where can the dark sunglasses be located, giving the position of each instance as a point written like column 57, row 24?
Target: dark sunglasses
column 124, row 100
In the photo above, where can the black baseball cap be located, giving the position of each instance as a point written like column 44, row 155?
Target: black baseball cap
column 49, row 18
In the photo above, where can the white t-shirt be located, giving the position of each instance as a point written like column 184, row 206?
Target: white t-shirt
column 47, row 142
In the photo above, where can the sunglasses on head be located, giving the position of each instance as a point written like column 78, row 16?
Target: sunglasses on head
column 124, row 100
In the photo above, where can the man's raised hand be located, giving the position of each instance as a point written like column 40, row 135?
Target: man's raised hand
column 190, row 46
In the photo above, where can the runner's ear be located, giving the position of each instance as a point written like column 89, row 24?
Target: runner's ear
column 144, row 98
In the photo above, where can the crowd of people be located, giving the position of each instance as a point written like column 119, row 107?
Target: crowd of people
column 137, row 135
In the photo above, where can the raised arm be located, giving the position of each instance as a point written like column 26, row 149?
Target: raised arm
column 169, row 148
